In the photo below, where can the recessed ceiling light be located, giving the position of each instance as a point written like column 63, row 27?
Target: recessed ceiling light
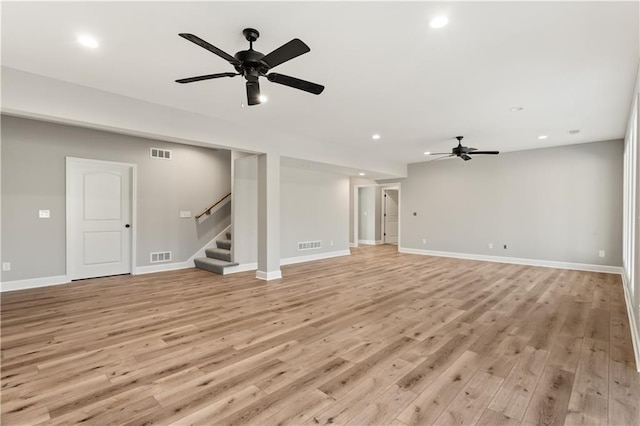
column 88, row 41
column 263, row 99
column 427, row 153
column 361, row 174
column 375, row 137
column 516, row 109
column 439, row 22
column 543, row 137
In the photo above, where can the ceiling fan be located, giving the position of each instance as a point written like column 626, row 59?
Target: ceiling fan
column 252, row 64
column 464, row 152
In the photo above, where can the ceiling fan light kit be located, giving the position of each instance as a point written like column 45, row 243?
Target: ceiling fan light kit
column 252, row 65
column 463, row 152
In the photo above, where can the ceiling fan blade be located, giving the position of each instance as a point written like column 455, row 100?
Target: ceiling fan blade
column 472, row 149
column 286, row 52
column 211, row 48
column 206, row 77
column 253, row 93
column 485, row 152
column 465, row 157
column 443, row 157
column 296, row 83
column 440, row 153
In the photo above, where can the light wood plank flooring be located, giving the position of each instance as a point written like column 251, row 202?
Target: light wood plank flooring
column 373, row 338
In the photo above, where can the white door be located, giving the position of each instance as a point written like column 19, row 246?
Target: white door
column 391, row 216
column 99, row 226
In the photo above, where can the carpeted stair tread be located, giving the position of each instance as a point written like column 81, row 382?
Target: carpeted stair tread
column 219, row 253
column 224, row 244
column 212, row 265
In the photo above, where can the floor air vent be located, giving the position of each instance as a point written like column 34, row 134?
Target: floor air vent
column 161, row 256
column 309, row 245
column 163, row 154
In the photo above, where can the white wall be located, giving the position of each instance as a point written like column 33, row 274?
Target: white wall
column 561, row 204
column 631, row 261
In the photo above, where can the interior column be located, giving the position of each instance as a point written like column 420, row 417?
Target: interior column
column 269, row 217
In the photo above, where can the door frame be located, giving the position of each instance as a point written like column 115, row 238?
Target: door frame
column 134, row 197
column 383, row 209
column 356, row 214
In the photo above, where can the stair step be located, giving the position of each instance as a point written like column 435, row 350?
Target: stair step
column 224, row 244
column 212, row 265
column 218, row 253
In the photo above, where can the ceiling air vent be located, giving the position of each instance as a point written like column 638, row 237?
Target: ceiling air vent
column 574, row 132
column 309, row 245
column 163, row 154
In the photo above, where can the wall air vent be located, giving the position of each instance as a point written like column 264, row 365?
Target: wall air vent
column 160, row 256
column 163, row 154
column 309, row 245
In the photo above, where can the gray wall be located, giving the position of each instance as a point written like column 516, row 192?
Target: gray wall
column 366, row 213
column 561, row 204
column 353, row 182
column 313, row 206
column 245, row 210
column 33, row 178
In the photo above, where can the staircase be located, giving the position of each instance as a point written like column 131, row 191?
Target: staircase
column 217, row 258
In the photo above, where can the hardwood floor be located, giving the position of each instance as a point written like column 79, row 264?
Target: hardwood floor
column 373, row 338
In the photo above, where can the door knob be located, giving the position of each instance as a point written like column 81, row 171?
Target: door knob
column 127, row 226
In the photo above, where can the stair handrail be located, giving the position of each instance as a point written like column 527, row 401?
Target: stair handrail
column 208, row 209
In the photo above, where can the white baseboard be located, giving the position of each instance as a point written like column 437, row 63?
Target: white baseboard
column 163, row 267
column 33, row 283
column 632, row 313
column 201, row 253
column 240, row 268
column 370, row 242
column 268, row 276
column 150, row 269
column 311, row 257
column 353, row 245
column 516, row 260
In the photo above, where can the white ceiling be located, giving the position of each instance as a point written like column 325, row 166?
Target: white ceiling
column 569, row 65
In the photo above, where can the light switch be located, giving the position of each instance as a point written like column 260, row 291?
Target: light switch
column 44, row 214
column 185, row 213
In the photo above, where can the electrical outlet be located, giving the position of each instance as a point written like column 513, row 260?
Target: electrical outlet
column 490, row 245
column 6, row 266
column 331, row 243
column 44, row 214
column 424, row 241
column 601, row 253
column 185, row 213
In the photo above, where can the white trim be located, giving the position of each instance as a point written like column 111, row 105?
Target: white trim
column 353, row 245
column 163, row 267
column 268, row 276
column 133, row 206
column 635, row 332
column 179, row 265
column 240, row 268
column 312, row 257
column 201, row 252
column 370, row 242
column 517, row 260
column 34, row 283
